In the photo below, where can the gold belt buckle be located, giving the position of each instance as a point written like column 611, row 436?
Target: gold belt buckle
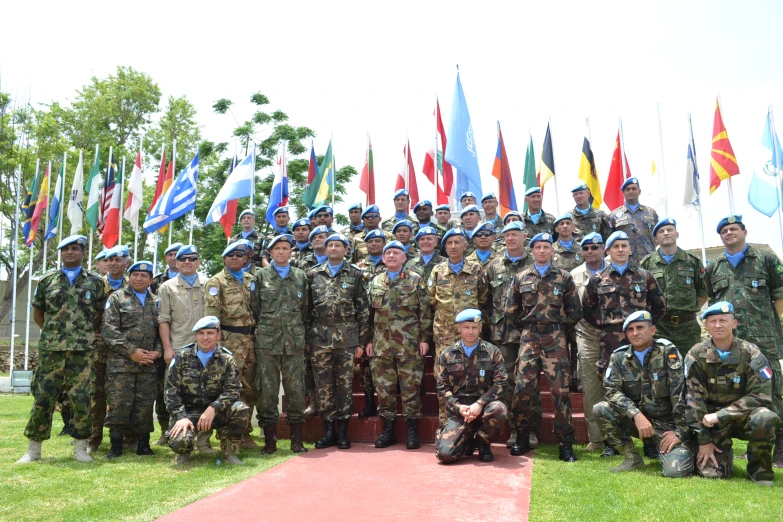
column 675, row 319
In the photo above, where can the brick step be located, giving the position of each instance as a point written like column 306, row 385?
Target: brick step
column 428, row 379
column 430, row 403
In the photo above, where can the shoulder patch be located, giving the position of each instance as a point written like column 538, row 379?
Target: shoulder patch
column 665, row 342
column 779, row 268
column 107, row 305
column 213, row 291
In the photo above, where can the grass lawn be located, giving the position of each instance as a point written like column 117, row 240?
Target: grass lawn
column 586, row 490
column 130, row 488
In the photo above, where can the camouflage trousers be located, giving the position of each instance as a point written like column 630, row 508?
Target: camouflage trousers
column 547, row 353
column 455, row 435
column 777, row 390
column 161, row 413
column 408, row 370
column 510, row 352
column 619, row 428
column 612, row 337
column 242, row 348
column 131, row 398
column 441, row 343
column 333, row 369
column 758, row 429
column 68, row 372
column 309, row 377
column 269, row 372
column 364, row 371
column 98, row 404
column 592, row 386
column 230, row 426
column 684, row 335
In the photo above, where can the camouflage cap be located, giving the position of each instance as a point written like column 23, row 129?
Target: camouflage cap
column 637, row 317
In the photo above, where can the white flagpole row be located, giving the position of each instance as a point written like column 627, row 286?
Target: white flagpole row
column 29, row 284
column 14, row 277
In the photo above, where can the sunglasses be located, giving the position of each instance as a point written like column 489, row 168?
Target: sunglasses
column 590, row 247
column 483, row 234
column 235, row 254
column 189, row 259
column 322, row 215
column 371, row 216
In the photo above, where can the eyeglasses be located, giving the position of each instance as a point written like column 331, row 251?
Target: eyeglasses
column 188, row 259
column 323, row 215
column 235, row 254
column 483, row 233
column 590, row 247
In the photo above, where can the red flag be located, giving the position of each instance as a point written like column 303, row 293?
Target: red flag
column 42, row 202
column 228, row 219
column 613, row 194
column 448, row 194
column 723, row 163
column 111, row 227
column 166, row 184
column 502, row 172
column 161, row 180
column 312, row 168
column 407, row 177
column 367, row 181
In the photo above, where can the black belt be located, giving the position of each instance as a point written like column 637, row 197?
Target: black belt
column 685, row 317
column 244, row 330
column 542, row 328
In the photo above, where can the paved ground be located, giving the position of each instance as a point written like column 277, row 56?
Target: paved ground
column 382, row 485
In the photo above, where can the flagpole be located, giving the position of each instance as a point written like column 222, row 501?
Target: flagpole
column 173, row 176
column 14, row 282
column 46, row 222
column 122, row 192
column 777, row 171
column 253, row 180
column 136, row 225
column 436, row 173
column 663, row 163
column 29, row 285
column 62, row 212
column 698, row 208
column 106, row 180
column 334, row 168
column 622, row 151
column 728, row 181
column 91, row 231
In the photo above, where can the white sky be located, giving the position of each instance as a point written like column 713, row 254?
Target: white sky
column 349, row 68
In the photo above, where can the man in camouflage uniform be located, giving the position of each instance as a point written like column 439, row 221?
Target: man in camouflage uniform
column 403, row 232
column 644, row 398
column 401, row 324
column 490, row 205
column 427, row 240
column 443, row 216
column 336, row 332
column 197, row 403
column 170, row 254
column 374, row 241
column 280, row 307
column 228, row 298
column 567, row 252
column 423, row 211
column 545, row 304
column 323, row 215
column 355, row 225
column 402, row 202
column 483, row 238
column 302, row 247
column 470, row 217
column 318, row 255
column 588, row 219
column 471, row 381
column 371, row 218
column 280, row 226
column 681, row 278
column 130, row 330
column 535, row 219
column 636, row 220
column 512, row 216
column 729, row 387
column 752, row 280
column 101, row 264
column 247, row 219
column 67, row 307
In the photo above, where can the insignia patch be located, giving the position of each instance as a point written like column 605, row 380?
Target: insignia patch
column 576, row 257
column 672, row 356
column 595, row 240
column 252, row 286
column 87, row 294
column 637, row 288
column 594, row 227
column 481, row 373
column 688, row 281
column 608, row 372
column 343, row 286
column 299, row 295
column 213, row 291
column 108, row 305
column 779, row 269
column 143, row 266
column 655, row 376
column 754, row 284
column 556, row 291
column 467, row 292
column 732, row 219
column 429, row 282
column 765, row 373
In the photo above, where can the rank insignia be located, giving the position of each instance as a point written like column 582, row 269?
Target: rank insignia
column 467, row 292
column 299, row 295
column 344, row 286
column 637, row 288
column 754, row 284
column 576, row 257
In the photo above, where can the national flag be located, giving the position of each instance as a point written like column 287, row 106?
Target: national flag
column 28, row 207
column 111, row 185
column 766, row 372
column 692, row 198
column 238, row 184
column 438, row 171
column 228, row 219
column 770, row 142
column 529, row 178
column 613, row 194
column 41, row 202
column 94, row 192
column 167, row 180
column 312, row 167
column 657, row 196
column 588, row 172
column 406, row 178
column 367, row 180
column 178, row 200
column 76, row 201
column 112, row 221
column 462, row 152
column 159, row 190
column 278, row 196
column 723, row 163
column 54, row 209
column 763, row 191
column 320, row 190
column 135, row 193
column 546, row 167
column 502, row 172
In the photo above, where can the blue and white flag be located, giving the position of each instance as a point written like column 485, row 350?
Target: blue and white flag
column 238, row 185
column 54, row 209
column 178, row 200
column 461, row 152
column 692, row 191
column 278, row 197
column 763, row 191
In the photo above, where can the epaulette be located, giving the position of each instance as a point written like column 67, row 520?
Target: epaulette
column 226, row 350
column 187, row 347
column 623, row 348
column 665, row 342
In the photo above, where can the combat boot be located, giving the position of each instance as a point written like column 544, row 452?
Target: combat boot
column 80, row 451
column 388, row 436
column 631, row 461
column 370, row 410
column 512, row 438
column 66, row 415
column 33, row 452
column 202, row 443
column 248, row 442
column 412, row 436
column 596, row 446
column 522, row 444
column 566, row 453
column 312, row 408
column 143, row 448
column 270, row 440
column 777, row 457
column 470, row 447
column 296, row 439
column 342, row 434
column 609, row 451
column 330, row 437
column 180, row 459
column 163, row 440
column 485, row 451
column 651, row 449
column 115, row 437
column 229, row 450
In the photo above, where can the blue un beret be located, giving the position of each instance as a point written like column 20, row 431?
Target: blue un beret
column 426, row 231
column 445, row 206
column 174, row 247
column 320, row 229
column 355, row 206
column 469, row 208
column 422, row 203
column 663, row 223
column 281, row 237
column 375, row 234
column 514, row 225
column 100, row 255
column 533, row 190
column 322, row 208
column 118, row 251
column 76, row 238
column 236, row 245
column 565, row 216
column 593, row 238
column 483, row 226
column 721, row 307
column 246, row 212
column 581, row 186
column 208, row 321
column 401, row 192
column 393, row 244
column 187, row 249
column 304, row 222
column 338, row 237
column 453, row 232
column 729, row 220
column 280, row 210
column 467, row 194
column 629, row 181
column 637, row 317
column 512, row 213
column 615, row 236
column 141, row 266
column 468, row 315
column 372, row 209
column 491, row 195
column 542, row 237
column 403, row 223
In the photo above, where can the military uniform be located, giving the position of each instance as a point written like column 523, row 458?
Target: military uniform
column 298, row 254
column 593, row 221
column 546, row 223
column 66, row 351
column 158, row 281
column 388, row 223
column 493, row 254
column 309, row 261
column 567, row 258
column 418, row 265
column 359, row 247
column 440, row 229
column 497, row 223
column 461, row 380
column 638, row 225
column 352, row 231
column 654, row 389
column 258, row 245
column 682, row 283
column 739, row 390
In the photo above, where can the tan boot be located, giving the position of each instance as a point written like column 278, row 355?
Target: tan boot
column 180, row 459
column 248, row 442
column 229, row 450
column 632, row 459
column 80, row 451
column 202, row 443
column 596, row 446
column 312, row 408
column 163, row 440
column 33, row 452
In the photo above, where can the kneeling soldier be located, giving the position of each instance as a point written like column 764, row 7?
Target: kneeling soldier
column 202, row 393
column 644, row 398
column 471, row 382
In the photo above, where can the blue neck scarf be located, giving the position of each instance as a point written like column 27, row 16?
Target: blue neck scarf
column 405, row 248
column 282, row 271
column 280, row 230
column 334, row 269
column 427, row 257
column 735, row 259
column 469, row 349
column 376, row 259
column 114, row 283
column 535, row 217
column 246, row 234
column 189, row 279
column 514, row 259
column 302, row 246
column 394, row 275
column 483, row 255
column 321, row 259
column 640, row 355
column 723, row 355
column 566, row 244
column 172, row 273
column 357, row 228
column 593, row 272
column 620, row 268
column 583, row 212
column 204, row 357
column 668, row 259
column 237, row 275
column 72, row 273
column 399, row 216
column 458, row 267
column 142, row 296
column 632, row 208
column 542, row 269
column 427, row 224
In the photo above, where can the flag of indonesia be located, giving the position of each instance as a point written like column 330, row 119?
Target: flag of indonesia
column 406, row 179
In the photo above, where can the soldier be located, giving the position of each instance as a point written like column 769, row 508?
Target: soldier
column 729, row 388
column 753, row 281
column 423, row 211
column 318, row 255
column 371, row 218
column 645, row 398
column 337, row 330
column 402, row 202
column 403, row 232
column 196, row 403
column 301, row 231
column 67, row 307
column 323, row 215
column 470, row 388
column 546, row 304
column 471, row 217
column 483, row 238
column 374, row 242
column 443, row 216
column 170, row 254
column 280, row 306
column 101, row 263
column 535, row 219
column 636, row 220
column 588, row 219
column 567, row 255
column 280, row 226
column 355, row 225
column 681, row 278
column 512, row 216
column 490, row 205
column 247, row 219
column 467, row 199
column 130, row 330
column 427, row 239
column 400, row 320
column 228, row 298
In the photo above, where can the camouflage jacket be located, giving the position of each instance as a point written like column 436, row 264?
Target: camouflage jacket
column 308, row 261
column 682, row 281
column 752, row 288
column 102, row 354
column 593, row 221
column 359, row 247
column 584, row 329
column 610, row 297
column 298, row 254
column 732, row 388
column 128, row 326
column 339, row 317
column 452, row 293
column 463, row 380
column 493, row 254
column 567, row 259
column 655, row 389
column 638, row 225
column 418, row 265
column 400, row 314
column 371, row 269
column 70, row 312
column 551, row 299
column 157, row 281
column 501, row 273
column 545, row 224
column 258, row 245
column 228, row 299
column 497, row 222
column 280, row 307
column 191, row 388
column 351, row 231
column 388, row 223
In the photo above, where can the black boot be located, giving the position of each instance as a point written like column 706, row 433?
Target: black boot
column 412, row 437
column 651, row 449
column 65, row 412
column 522, row 445
column 143, row 447
column 387, row 437
column 567, row 453
column 470, row 447
column 342, row 434
column 485, row 451
column 115, row 436
column 330, row 437
column 370, row 410
column 609, row 451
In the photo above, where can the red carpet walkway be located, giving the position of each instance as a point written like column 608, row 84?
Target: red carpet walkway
column 368, row 483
